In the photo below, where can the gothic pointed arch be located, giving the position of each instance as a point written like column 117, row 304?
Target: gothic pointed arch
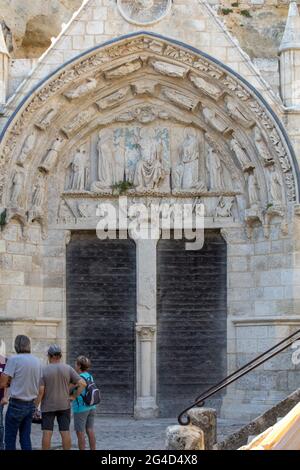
column 165, row 117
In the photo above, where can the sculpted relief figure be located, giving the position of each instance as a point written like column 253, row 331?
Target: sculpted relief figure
column 27, row 149
column 212, row 118
column 106, row 161
column 261, row 146
column 50, row 160
column 47, row 119
column 149, row 169
column 253, row 190
column 186, row 175
column 17, row 187
column 224, row 207
column 82, row 90
column 215, row 170
column 275, row 187
column 236, row 112
column 37, row 200
column 79, row 170
column 240, row 154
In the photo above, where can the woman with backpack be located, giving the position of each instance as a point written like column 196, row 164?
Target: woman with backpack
column 84, row 406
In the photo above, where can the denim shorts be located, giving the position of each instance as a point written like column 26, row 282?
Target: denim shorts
column 84, row 421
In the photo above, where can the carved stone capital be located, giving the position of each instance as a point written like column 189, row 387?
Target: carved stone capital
column 146, row 332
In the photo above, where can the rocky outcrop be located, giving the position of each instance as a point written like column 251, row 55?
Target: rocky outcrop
column 29, row 26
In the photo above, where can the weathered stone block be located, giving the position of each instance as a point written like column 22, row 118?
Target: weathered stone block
column 185, row 438
column 206, row 420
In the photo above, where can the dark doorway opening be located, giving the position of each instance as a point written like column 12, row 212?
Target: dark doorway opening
column 192, row 321
column 101, row 315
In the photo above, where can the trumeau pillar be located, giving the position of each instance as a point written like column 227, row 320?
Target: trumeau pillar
column 289, row 52
column 146, row 406
column 4, row 64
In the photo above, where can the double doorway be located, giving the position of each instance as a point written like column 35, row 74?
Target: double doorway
column 191, row 316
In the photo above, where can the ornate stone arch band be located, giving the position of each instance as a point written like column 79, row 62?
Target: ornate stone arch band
column 212, row 134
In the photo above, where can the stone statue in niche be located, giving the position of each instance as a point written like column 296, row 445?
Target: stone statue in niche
column 27, row 149
column 37, row 200
column 261, row 146
column 51, row 157
column 89, row 85
column 237, row 113
column 253, row 191
column 241, row 155
column 149, row 170
column 275, row 187
column 186, row 175
column 224, row 207
column 38, row 195
column 214, row 167
column 212, row 118
column 106, row 161
column 79, row 170
column 17, row 187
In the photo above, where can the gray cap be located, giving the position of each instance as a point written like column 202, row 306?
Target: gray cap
column 54, row 350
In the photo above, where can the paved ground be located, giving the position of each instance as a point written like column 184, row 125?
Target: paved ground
column 129, row 434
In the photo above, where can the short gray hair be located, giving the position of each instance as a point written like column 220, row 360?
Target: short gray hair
column 22, row 344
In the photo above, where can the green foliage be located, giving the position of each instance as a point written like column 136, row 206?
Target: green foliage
column 235, row 4
column 246, row 13
column 122, row 187
column 226, row 11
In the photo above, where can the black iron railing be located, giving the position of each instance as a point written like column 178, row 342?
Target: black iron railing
column 184, row 418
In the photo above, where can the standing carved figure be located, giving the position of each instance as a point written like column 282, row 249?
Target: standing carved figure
column 261, row 146
column 215, row 169
column 275, row 187
column 106, row 159
column 253, row 190
column 16, row 188
column 149, row 169
column 79, row 170
column 186, row 175
column 27, row 149
column 51, row 157
column 240, row 154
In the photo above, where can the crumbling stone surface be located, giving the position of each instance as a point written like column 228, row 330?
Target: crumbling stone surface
column 29, row 26
column 185, row 438
column 206, row 420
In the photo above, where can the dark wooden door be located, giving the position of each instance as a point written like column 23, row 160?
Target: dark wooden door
column 192, row 318
column 101, row 315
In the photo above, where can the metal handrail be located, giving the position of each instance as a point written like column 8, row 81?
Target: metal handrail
column 184, row 418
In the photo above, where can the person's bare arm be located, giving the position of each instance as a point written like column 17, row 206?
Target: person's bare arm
column 4, row 380
column 40, row 396
column 81, row 384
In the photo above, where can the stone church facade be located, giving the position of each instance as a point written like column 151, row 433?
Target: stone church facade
column 157, row 94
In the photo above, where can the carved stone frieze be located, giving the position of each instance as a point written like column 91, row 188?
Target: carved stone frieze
column 114, row 99
column 82, row 90
column 205, row 87
column 171, row 70
column 123, row 70
column 169, row 62
column 180, row 99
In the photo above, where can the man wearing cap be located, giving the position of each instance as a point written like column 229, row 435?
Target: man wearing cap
column 55, row 399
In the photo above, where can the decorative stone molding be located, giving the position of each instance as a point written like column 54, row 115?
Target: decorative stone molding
column 189, row 90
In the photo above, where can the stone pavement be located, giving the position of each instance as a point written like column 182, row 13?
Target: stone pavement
column 117, row 433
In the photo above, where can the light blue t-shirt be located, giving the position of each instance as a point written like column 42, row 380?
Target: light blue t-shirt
column 79, row 405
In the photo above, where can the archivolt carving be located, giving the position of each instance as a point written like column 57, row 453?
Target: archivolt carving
column 139, row 82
